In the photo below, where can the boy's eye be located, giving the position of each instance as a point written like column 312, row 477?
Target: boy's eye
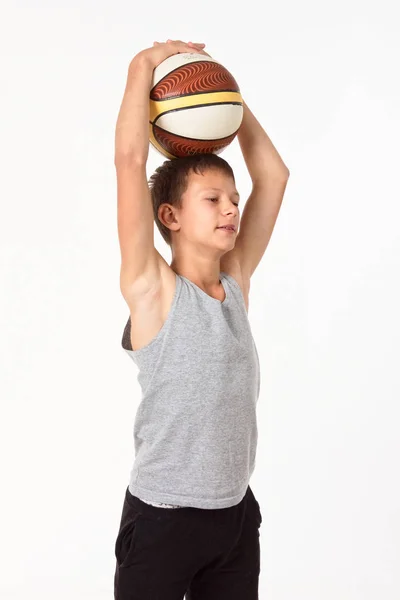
column 236, row 204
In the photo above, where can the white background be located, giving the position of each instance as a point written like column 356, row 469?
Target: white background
column 322, row 78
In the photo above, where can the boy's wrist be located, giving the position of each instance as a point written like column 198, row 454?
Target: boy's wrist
column 141, row 61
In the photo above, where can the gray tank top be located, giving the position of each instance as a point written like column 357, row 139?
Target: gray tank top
column 195, row 430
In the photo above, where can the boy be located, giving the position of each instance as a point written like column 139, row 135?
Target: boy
column 190, row 521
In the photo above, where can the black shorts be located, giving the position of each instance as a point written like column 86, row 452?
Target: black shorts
column 191, row 553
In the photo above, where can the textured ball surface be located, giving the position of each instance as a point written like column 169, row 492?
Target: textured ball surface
column 195, row 106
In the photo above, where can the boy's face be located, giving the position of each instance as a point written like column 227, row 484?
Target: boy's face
column 210, row 200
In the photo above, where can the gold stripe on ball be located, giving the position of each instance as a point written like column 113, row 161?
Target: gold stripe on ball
column 158, row 108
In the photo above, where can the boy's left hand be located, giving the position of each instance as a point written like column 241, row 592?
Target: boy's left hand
column 197, row 47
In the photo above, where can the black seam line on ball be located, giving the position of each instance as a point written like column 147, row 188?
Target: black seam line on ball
column 190, row 107
column 196, row 94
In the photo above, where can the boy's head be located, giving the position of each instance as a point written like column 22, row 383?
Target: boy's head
column 192, row 196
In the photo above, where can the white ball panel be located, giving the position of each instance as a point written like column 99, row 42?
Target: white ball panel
column 203, row 122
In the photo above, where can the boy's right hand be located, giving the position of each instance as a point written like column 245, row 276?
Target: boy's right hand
column 160, row 51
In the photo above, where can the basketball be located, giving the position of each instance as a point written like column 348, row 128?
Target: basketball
column 195, row 106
